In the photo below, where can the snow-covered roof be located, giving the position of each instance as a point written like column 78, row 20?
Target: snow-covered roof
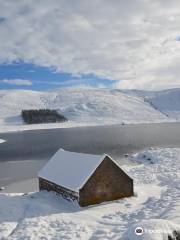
column 69, row 169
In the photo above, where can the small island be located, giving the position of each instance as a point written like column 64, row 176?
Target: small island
column 34, row 116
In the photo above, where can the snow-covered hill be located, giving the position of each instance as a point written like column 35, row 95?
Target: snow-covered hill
column 91, row 106
column 165, row 101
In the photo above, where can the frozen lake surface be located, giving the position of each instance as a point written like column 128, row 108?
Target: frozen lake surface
column 25, row 152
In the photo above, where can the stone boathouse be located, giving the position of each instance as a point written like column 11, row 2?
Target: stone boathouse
column 89, row 179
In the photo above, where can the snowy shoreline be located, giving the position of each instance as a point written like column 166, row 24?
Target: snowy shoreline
column 75, row 125
column 155, row 207
column 23, row 186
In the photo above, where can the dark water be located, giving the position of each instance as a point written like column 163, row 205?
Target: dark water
column 24, row 153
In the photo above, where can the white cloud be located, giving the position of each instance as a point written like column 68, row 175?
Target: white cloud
column 19, row 82
column 133, row 41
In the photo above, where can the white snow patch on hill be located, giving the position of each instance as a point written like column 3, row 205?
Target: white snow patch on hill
column 155, row 206
column 165, row 101
column 2, row 141
column 83, row 107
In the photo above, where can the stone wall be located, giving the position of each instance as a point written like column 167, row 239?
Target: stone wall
column 107, row 183
column 65, row 193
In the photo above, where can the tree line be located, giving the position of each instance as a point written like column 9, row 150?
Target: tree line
column 33, row 116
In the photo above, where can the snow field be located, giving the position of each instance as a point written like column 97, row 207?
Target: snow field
column 156, row 205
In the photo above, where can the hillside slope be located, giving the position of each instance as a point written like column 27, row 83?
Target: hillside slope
column 80, row 106
column 166, row 101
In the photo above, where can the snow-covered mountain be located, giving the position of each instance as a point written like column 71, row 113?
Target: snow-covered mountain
column 93, row 106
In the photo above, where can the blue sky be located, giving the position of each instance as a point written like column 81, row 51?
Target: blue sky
column 135, row 43
column 29, row 76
